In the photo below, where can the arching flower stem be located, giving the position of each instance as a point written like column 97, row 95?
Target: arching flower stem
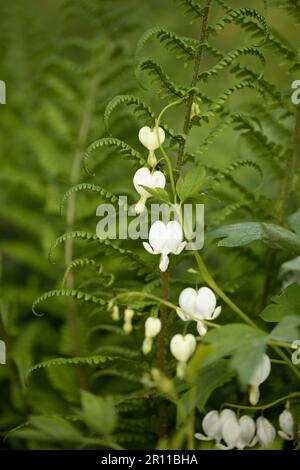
column 262, row 407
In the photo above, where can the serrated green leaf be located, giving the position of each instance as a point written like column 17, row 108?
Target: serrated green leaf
column 190, row 184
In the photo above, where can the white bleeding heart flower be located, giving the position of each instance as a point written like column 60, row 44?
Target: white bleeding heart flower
column 182, row 347
column 198, row 305
column 152, row 329
column 165, row 239
column 128, row 316
column 260, row 374
column 212, row 425
column 265, row 432
column 286, row 423
column 143, row 177
column 151, row 139
column 239, row 433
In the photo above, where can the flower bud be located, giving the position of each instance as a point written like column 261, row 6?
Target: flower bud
column 127, row 327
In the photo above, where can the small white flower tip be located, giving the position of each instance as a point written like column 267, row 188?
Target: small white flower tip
column 201, row 328
column 147, row 345
column 148, row 137
column 254, row 395
column 140, row 206
column 164, row 263
column 115, row 313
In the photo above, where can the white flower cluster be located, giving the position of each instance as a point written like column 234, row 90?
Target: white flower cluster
column 164, row 238
column 230, row 432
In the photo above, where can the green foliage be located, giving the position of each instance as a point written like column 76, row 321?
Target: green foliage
column 76, row 377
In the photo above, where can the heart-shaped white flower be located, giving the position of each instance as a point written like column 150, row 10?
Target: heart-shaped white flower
column 259, row 375
column 165, row 239
column 265, row 432
column 198, row 305
column 182, row 347
column 143, row 177
column 286, row 423
column 151, row 139
column 148, row 137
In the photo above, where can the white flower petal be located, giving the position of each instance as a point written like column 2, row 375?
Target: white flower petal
column 265, row 432
column 211, row 425
column 231, row 432
column 164, row 263
column 182, row 315
column 158, row 236
column 152, row 327
column 286, row 422
column 174, row 236
column 159, row 179
column 201, row 437
column 216, row 313
column 182, row 347
column 187, row 300
column 201, row 328
column 261, row 371
column 205, row 303
column 149, row 248
column 148, row 137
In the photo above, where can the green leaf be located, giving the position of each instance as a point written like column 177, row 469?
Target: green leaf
column 229, row 338
column 158, row 193
column 246, row 358
column 287, row 329
column 98, row 413
column 208, row 380
column 241, row 234
column 243, row 343
column 190, row 184
column 294, row 221
column 286, row 303
column 56, row 428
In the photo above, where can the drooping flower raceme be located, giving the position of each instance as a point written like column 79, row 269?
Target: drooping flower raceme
column 182, row 347
column 165, row 239
column 286, row 423
column 265, row 432
column 224, row 426
column 148, row 137
column 198, row 305
column 152, row 329
column 143, row 177
column 260, row 374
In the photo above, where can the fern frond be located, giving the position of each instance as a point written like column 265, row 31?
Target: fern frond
column 166, row 86
column 77, row 263
column 123, row 148
column 75, row 294
column 193, row 8
column 171, row 40
column 62, row 361
column 141, row 109
column 92, row 188
column 235, row 166
column 239, row 16
column 227, row 60
column 110, row 247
